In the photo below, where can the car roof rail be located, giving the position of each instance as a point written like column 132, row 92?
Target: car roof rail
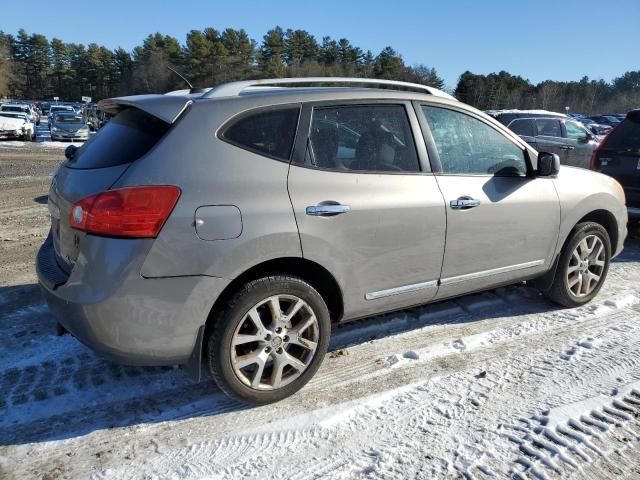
column 234, row 89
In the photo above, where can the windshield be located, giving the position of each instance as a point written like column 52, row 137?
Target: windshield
column 13, row 115
column 61, row 109
column 11, row 108
column 68, row 119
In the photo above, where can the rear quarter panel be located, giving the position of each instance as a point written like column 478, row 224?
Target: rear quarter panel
column 212, row 172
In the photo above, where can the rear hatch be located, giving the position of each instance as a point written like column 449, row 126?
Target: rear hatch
column 95, row 167
column 619, row 157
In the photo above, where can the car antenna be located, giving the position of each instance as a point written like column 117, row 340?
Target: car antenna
column 192, row 89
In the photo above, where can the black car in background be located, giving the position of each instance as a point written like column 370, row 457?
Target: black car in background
column 619, row 156
column 606, row 120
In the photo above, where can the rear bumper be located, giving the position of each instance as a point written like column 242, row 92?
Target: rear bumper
column 127, row 318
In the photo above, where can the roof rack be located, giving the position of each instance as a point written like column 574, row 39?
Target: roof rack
column 233, row 89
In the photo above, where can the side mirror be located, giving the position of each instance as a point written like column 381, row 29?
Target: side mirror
column 70, row 151
column 548, row 164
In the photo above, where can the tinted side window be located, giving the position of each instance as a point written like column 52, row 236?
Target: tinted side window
column 575, row 131
column 524, row 127
column 548, row 127
column 268, row 132
column 127, row 137
column 372, row 138
column 468, row 146
column 626, row 135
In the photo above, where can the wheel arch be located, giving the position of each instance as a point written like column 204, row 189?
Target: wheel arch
column 604, row 218
column 313, row 273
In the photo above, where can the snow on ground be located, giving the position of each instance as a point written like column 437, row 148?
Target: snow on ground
column 500, row 384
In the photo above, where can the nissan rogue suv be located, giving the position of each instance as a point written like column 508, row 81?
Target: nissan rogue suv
column 235, row 226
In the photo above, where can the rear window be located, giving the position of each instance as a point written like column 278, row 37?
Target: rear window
column 626, row 135
column 267, row 132
column 127, row 137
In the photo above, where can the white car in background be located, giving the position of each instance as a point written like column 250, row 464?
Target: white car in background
column 16, row 125
column 20, row 108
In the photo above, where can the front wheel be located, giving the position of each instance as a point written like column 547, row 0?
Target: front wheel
column 269, row 340
column 582, row 266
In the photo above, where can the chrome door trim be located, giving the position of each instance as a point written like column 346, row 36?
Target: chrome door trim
column 398, row 290
column 487, row 273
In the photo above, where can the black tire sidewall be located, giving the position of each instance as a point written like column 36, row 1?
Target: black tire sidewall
column 219, row 342
column 580, row 233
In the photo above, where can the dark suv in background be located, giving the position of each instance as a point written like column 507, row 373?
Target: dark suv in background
column 551, row 132
column 619, row 156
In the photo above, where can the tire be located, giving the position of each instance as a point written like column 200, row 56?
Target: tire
column 282, row 354
column 567, row 289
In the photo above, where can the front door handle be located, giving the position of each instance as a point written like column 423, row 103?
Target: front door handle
column 330, row 210
column 464, row 203
column 566, row 147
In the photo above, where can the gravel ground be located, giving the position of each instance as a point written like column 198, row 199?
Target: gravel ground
column 499, row 384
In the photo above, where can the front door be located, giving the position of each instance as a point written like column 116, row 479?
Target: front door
column 502, row 223
column 580, row 144
column 364, row 208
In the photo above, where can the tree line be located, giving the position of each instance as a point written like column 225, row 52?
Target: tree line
column 503, row 90
column 34, row 67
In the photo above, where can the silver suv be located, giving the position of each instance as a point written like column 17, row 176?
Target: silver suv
column 236, row 225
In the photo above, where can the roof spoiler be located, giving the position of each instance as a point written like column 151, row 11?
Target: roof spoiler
column 165, row 107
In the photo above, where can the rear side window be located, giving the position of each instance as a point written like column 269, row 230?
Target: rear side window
column 524, row 127
column 127, row 137
column 548, row 127
column 267, row 132
column 365, row 138
column 626, row 135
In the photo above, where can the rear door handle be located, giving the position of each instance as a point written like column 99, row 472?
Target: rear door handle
column 464, row 203
column 330, row 210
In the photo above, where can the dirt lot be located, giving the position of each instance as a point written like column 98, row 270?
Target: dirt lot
column 500, row 384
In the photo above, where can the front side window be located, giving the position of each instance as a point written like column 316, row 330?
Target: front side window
column 548, row 127
column 575, row 131
column 269, row 132
column 467, row 145
column 372, row 138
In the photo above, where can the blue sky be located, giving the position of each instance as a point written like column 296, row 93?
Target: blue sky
column 539, row 40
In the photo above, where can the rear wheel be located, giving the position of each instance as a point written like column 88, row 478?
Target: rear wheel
column 583, row 266
column 270, row 340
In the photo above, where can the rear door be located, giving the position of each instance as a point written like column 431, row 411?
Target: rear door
column 502, row 223
column 579, row 143
column 366, row 205
column 549, row 138
column 619, row 157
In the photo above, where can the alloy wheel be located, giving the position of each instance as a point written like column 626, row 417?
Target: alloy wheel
column 586, row 266
column 275, row 342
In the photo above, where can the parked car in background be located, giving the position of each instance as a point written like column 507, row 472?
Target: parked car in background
column 594, row 127
column 58, row 108
column 295, row 208
column 69, row 126
column 16, row 125
column 619, row 156
column 552, row 132
column 21, row 108
column 605, row 120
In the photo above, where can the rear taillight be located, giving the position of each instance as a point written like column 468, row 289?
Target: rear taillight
column 132, row 212
column 594, row 164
